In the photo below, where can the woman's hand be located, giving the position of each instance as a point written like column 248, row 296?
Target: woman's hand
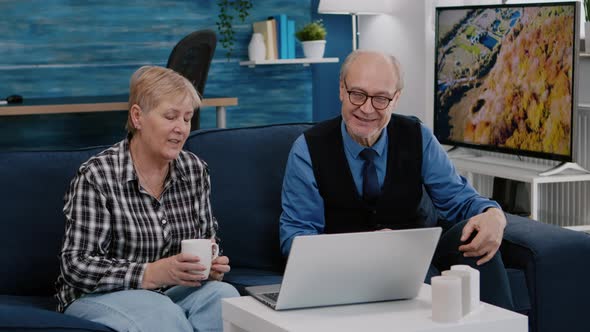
column 219, row 266
column 181, row 269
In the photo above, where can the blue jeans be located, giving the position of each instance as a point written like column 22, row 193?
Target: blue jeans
column 180, row 309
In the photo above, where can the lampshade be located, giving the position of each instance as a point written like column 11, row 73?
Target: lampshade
column 355, row 7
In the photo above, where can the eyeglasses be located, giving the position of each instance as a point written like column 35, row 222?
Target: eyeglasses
column 358, row 98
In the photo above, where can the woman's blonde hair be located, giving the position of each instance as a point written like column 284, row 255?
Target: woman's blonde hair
column 150, row 85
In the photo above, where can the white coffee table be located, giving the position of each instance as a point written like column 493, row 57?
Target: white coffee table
column 248, row 314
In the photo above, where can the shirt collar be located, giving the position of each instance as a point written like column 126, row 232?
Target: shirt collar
column 129, row 173
column 126, row 163
column 355, row 148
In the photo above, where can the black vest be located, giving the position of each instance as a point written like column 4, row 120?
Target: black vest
column 344, row 209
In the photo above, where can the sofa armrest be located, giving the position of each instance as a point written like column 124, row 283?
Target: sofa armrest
column 556, row 262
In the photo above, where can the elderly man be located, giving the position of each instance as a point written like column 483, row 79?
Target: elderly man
column 368, row 169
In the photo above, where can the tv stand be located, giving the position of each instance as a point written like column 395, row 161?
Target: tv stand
column 562, row 167
column 452, row 149
column 469, row 164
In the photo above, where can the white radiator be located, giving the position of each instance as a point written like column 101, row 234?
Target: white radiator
column 563, row 204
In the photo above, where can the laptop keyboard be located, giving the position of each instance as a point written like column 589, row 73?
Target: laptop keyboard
column 273, row 296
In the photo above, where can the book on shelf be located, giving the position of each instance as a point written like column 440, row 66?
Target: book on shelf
column 282, row 40
column 268, row 30
column 275, row 43
column 290, row 39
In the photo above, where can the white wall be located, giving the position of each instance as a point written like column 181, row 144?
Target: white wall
column 403, row 36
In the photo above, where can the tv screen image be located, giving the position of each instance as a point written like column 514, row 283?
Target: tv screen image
column 504, row 78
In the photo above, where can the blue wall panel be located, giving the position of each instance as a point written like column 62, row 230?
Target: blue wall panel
column 55, row 48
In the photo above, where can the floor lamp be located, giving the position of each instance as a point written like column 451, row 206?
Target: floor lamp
column 355, row 8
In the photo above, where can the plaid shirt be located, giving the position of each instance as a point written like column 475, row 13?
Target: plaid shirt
column 114, row 227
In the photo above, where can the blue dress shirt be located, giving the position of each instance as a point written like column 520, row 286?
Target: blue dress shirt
column 303, row 207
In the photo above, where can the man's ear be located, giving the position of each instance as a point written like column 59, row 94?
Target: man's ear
column 395, row 99
column 342, row 91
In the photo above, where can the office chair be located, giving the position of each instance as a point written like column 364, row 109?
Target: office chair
column 191, row 58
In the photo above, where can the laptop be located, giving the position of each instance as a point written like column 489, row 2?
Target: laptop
column 335, row 269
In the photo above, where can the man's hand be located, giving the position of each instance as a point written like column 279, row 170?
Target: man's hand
column 181, row 269
column 219, row 266
column 490, row 230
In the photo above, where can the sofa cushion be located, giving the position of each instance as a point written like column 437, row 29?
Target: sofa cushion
column 23, row 318
column 33, row 187
column 41, row 302
column 246, row 183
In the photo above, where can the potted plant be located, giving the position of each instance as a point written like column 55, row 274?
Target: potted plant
column 227, row 10
column 587, row 24
column 313, row 38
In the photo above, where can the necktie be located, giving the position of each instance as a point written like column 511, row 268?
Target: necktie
column 371, row 188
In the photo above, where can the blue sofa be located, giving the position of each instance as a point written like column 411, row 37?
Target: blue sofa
column 548, row 266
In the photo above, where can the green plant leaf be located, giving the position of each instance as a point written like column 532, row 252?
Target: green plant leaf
column 227, row 10
column 312, row 31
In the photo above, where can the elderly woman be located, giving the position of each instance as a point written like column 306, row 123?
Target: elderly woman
column 128, row 209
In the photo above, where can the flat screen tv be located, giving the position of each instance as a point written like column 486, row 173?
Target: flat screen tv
column 504, row 77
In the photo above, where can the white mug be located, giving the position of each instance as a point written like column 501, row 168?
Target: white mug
column 204, row 249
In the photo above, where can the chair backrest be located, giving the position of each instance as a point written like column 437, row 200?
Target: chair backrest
column 192, row 56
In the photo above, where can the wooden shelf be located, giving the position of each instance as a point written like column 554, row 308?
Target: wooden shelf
column 33, row 106
column 303, row 61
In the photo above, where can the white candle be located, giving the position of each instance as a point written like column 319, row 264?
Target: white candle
column 465, row 277
column 474, row 283
column 446, row 299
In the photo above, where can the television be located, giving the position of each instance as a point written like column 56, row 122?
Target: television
column 505, row 78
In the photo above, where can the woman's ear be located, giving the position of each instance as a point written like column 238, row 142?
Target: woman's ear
column 136, row 115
